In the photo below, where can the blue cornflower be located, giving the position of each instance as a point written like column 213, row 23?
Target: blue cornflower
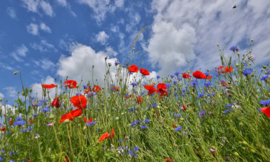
column 202, row 112
column 39, row 104
column 234, row 48
column 158, row 77
column 19, row 118
column 142, row 93
column 183, row 91
column 168, row 85
column 91, row 123
column 244, row 64
column 265, row 77
column 137, row 122
column 207, row 84
column 133, row 124
column 177, row 115
column 19, row 123
column 24, row 130
column 207, row 74
column 132, row 109
column 247, row 71
column 213, row 94
column 136, row 148
column 178, row 128
column 121, row 140
column 230, row 105
column 171, row 76
column 132, row 154
column 84, row 86
column 265, row 102
column 259, row 109
column 12, row 161
column 9, row 132
column 91, row 94
column 174, row 82
column 77, row 94
column 146, row 120
column 116, row 62
column 1, row 159
column 29, row 129
column 154, row 105
column 130, row 72
column 226, row 111
column 3, row 151
column 193, row 83
column 176, row 73
column 200, row 95
column 143, row 126
column 133, row 84
column 32, row 98
column 46, row 109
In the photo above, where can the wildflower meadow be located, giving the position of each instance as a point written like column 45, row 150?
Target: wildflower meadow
column 220, row 114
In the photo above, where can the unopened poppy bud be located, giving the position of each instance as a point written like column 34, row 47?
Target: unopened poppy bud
column 1, row 99
column 15, row 73
column 23, row 93
column 251, row 40
column 245, row 143
column 217, row 44
column 264, row 66
column 106, row 58
column 71, row 86
column 30, row 90
column 252, row 74
column 18, row 91
column 77, row 86
column 133, row 49
column 238, row 53
column 236, row 154
column 64, row 91
column 109, row 64
column 236, row 64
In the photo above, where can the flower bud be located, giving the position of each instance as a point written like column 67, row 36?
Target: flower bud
column 23, row 93
column 252, row 74
column 1, row 99
column 236, row 64
column 251, row 40
column 15, row 73
column 218, row 45
column 236, row 154
column 77, row 86
column 264, row 66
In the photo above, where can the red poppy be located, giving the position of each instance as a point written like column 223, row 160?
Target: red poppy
column 133, row 68
column 184, row 107
column 128, row 96
column 87, row 90
column 104, row 136
column 150, row 89
column 79, row 101
column 112, row 133
column 174, row 125
column 65, row 117
column 3, row 129
column 10, row 122
column 199, row 75
column 144, row 71
column 56, row 102
column 209, row 77
column 266, row 111
column 139, row 99
column 85, row 120
column 161, row 88
column 115, row 88
column 168, row 160
column 67, row 159
column 48, row 86
column 31, row 121
column 75, row 113
column 223, row 83
column 96, row 89
column 71, row 83
column 229, row 70
column 186, row 76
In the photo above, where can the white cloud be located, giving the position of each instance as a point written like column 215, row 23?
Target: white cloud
column 12, row 13
column 5, row 66
column 11, row 91
column 35, row 5
column 32, row 29
column 62, row 2
column 1, row 95
column 43, row 46
column 7, row 108
column 47, row 8
column 102, row 37
column 37, row 88
column 182, row 29
column 45, row 28
column 20, row 52
column 119, row 3
column 110, row 51
column 45, row 64
column 115, row 29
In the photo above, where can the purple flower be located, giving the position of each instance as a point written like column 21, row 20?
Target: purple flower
column 50, row 124
column 212, row 150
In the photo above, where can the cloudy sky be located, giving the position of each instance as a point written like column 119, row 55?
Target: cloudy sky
column 54, row 39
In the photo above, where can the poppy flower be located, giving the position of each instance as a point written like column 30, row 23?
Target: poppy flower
column 56, row 102
column 133, row 68
column 104, row 136
column 115, row 88
column 223, row 83
column 174, row 125
column 209, row 77
column 150, row 89
column 186, row 75
column 229, row 70
column 199, row 75
column 48, row 86
column 161, row 88
column 79, row 101
column 266, row 111
column 85, row 120
column 144, row 71
column 87, row 90
column 31, row 121
column 112, row 133
column 139, row 99
column 67, row 159
column 71, row 83
column 75, row 113
column 168, row 160
column 96, row 89
column 10, row 122
column 65, row 117
column 3, row 129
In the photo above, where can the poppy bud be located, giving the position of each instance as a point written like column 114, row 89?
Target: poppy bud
column 106, row 58
column 252, row 74
column 218, row 45
column 251, row 40
column 236, row 64
column 77, row 86
column 264, row 66
column 236, row 154
column 15, row 73
column 23, row 93
column 238, row 53
column 1, row 99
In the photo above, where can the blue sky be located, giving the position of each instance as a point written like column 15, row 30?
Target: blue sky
column 52, row 39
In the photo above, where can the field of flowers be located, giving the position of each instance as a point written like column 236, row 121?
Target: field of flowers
column 188, row 116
